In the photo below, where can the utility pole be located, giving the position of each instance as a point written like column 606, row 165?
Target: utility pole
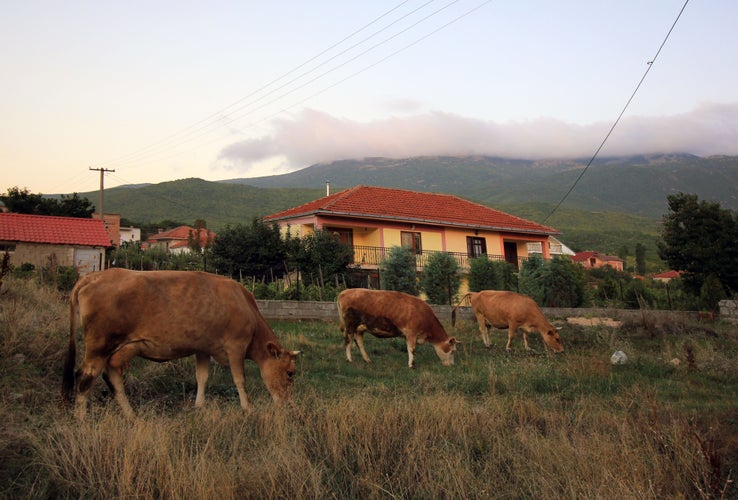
column 102, row 188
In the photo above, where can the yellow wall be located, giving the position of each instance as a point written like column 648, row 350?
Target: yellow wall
column 456, row 241
column 369, row 237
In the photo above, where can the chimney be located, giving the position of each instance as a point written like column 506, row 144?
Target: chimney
column 327, row 187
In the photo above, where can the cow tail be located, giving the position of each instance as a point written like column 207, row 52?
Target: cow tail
column 70, row 361
column 453, row 311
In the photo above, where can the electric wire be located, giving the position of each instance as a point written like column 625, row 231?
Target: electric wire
column 335, row 68
column 214, row 118
column 649, row 65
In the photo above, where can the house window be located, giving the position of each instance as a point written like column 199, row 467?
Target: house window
column 476, row 246
column 411, row 241
column 534, row 247
column 345, row 235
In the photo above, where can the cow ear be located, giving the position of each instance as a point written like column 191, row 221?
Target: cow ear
column 274, row 349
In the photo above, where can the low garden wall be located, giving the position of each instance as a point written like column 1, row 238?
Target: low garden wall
column 729, row 309
column 327, row 311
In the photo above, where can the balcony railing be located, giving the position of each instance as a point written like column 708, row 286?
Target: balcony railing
column 374, row 256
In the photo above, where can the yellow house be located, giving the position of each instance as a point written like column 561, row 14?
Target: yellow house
column 374, row 219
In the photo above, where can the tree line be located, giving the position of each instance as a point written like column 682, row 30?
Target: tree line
column 698, row 240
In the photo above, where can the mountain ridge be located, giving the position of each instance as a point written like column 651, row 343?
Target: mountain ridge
column 617, row 204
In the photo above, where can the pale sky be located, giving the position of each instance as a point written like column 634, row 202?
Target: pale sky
column 165, row 90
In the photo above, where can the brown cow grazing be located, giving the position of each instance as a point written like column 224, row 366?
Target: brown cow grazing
column 166, row 315
column 387, row 314
column 512, row 311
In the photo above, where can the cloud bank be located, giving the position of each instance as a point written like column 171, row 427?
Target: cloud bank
column 314, row 137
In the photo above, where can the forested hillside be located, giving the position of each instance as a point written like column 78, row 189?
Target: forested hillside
column 617, row 204
column 635, row 185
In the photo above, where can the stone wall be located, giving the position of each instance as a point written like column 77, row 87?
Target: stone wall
column 39, row 254
column 729, row 309
column 328, row 311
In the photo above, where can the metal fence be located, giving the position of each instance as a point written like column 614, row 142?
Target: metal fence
column 374, row 256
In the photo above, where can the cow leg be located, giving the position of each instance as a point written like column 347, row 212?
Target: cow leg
column 114, row 375
column 348, row 338
column 84, row 379
column 359, row 339
column 483, row 329
column 235, row 360
column 115, row 380
column 525, row 340
column 202, row 369
column 513, row 327
column 411, row 341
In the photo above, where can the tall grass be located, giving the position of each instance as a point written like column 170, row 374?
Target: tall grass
column 493, row 425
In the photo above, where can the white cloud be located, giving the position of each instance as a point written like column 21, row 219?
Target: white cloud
column 313, row 137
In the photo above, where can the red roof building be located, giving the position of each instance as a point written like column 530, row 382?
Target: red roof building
column 44, row 240
column 373, row 219
column 178, row 240
column 593, row 260
column 667, row 276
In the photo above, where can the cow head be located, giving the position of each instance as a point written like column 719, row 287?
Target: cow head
column 446, row 350
column 278, row 371
column 552, row 339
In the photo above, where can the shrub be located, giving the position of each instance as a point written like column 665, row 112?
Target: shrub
column 398, row 271
column 440, row 279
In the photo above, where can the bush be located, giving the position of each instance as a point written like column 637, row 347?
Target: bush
column 26, row 270
column 440, row 279
column 398, row 271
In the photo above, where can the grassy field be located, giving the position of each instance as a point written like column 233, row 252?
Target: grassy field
column 494, row 425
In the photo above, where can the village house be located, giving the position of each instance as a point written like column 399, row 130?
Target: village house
column 374, row 219
column 555, row 247
column 666, row 276
column 44, row 240
column 179, row 240
column 593, row 260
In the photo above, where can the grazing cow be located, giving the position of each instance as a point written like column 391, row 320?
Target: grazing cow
column 387, row 314
column 512, row 311
column 166, row 315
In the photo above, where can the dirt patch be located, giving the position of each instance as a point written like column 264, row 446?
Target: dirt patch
column 594, row 322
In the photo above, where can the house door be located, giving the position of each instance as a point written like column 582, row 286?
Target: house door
column 87, row 260
column 511, row 253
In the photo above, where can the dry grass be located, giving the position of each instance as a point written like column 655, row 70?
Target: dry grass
column 494, row 425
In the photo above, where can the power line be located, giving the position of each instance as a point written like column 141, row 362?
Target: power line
column 213, row 117
column 331, row 70
column 649, row 65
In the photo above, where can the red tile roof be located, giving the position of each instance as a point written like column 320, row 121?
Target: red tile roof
column 369, row 202
column 667, row 275
column 53, row 230
column 183, row 233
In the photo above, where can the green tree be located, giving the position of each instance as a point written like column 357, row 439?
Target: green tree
column 22, row 201
column 562, row 282
column 699, row 238
column 326, row 257
column 640, row 255
column 529, row 278
column 507, row 278
column 73, row 206
column 254, row 250
column 624, row 253
column 482, row 274
column 711, row 293
column 440, row 279
column 398, row 271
